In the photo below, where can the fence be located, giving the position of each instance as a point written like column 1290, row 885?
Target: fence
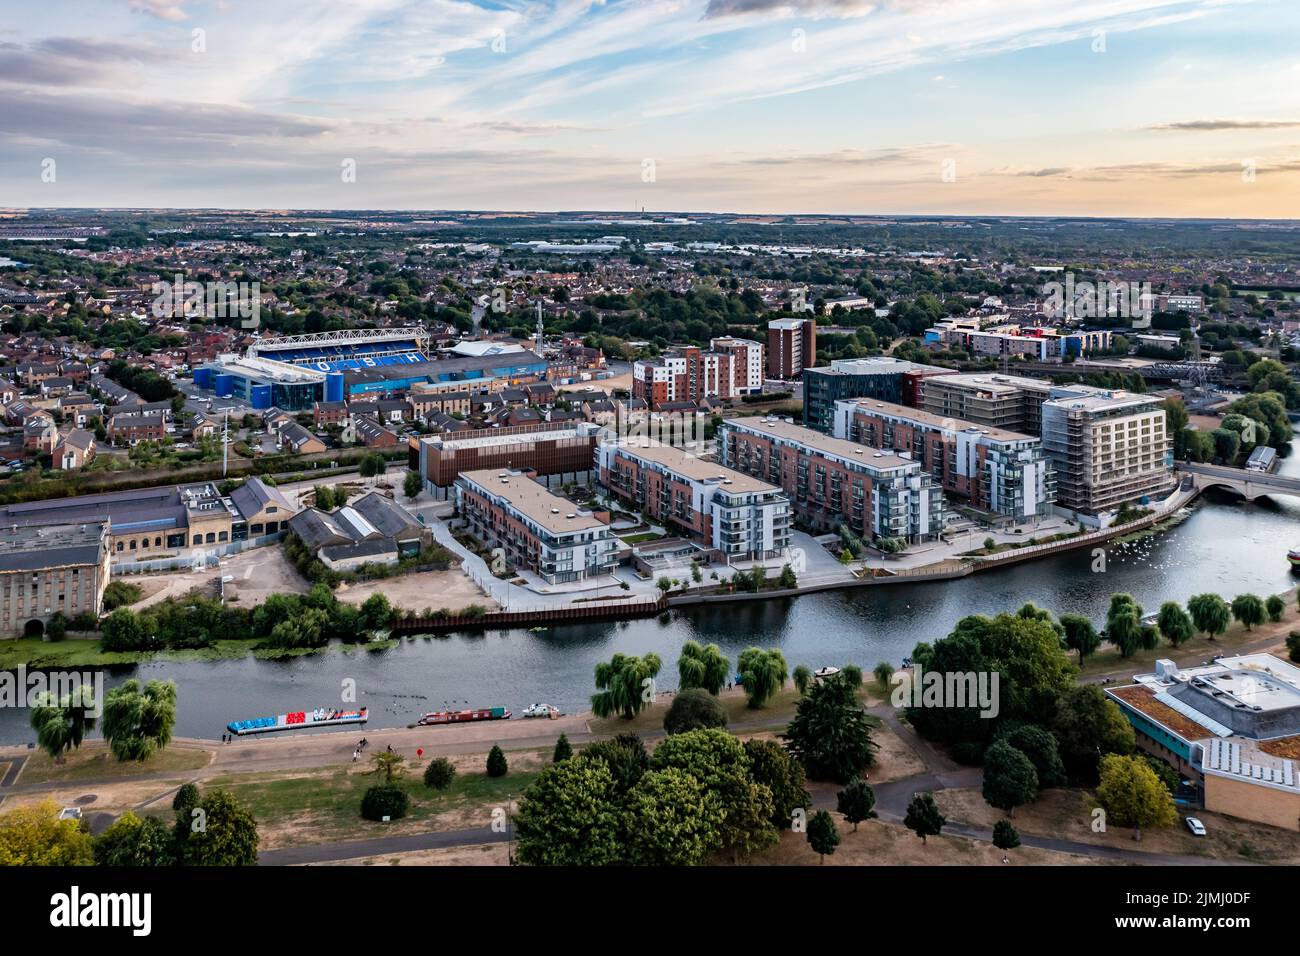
column 569, row 614
column 209, row 557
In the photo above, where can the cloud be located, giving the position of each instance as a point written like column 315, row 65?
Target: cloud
column 1215, row 125
column 75, row 61
column 162, row 9
column 814, row 8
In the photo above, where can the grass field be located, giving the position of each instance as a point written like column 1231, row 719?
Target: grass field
column 92, row 761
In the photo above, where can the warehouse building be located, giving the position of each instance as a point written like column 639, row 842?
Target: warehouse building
column 49, row 570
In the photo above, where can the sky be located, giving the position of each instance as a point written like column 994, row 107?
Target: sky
column 1138, row 108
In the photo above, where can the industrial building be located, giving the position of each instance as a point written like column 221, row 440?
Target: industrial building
column 51, row 569
column 560, row 450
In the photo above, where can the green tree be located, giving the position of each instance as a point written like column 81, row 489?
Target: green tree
column 830, row 733
column 1175, row 623
column 670, row 819
column 1210, row 613
column 856, row 802
column 563, row 749
column 772, row 766
column 625, row 685
column 1080, row 636
column 802, row 678
column 693, row 709
column 35, row 836
column 61, row 725
column 496, row 762
column 1088, row 724
column 852, row 675
column 1249, row 610
column 1005, row 836
column 625, row 756
column 1124, row 624
column 221, row 833
column 923, row 817
column 1275, row 607
column 703, row 667
column 135, row 841
column 823, row 835
column 762, row 673
column 412, row 485
column 1133, row 796
column 570, row 816
column 439, row 774
column 1040, row 746
column 123, row 631
column 787, row 579
column 384, row 800
column 137, row 723
column 884, row 672
column 388, row 765
column 1010, row 779
column 376, row 612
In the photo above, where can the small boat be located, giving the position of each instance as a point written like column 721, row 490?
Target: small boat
column 464, row 716
column 822, row 673
column 1294, row 557
column 540, row 710
column 299, row 720
column 538, row 630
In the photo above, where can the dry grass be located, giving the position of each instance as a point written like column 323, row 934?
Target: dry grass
column 93, row 761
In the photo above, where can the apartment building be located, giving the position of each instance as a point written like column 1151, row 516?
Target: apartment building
column 733, row 514
column 880, row 377
column 1108, row 447
column 50, row 569
column 538, row 530
column 685, row 374
column 1010, row 402
column 747, row 366
column 1001, row 471
column 561, row 449
column 833, row 482
column 791, row 347
column 1040, row 343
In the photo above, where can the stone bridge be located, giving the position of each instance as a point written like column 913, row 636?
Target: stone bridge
column 1248, row 484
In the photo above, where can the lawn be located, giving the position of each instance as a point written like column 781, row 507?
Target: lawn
column 642, row 537
column 92, row 761
column 324, row 806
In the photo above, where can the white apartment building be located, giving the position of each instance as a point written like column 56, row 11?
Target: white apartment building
column 747, row 363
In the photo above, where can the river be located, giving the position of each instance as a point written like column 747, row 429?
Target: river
column 1224, row 546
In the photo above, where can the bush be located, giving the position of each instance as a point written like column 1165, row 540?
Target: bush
column 56, row 628
column 1293, row 646
column 187, row 797
column 496, row 762
column 119, row 594
column 384, row 801
column 694, row 709
column 563, row 749
column 439, row 774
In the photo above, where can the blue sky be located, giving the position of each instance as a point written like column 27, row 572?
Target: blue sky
column 1091, row 107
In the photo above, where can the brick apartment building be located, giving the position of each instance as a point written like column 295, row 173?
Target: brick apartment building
column 685, row 374
column 564, row 450
column 791, row 347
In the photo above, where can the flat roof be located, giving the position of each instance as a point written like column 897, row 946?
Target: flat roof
column 840, row 448
column 1093, row 399
column 695, row 468
column 945, row 422
column 874, row 364
column 534, row 500
column 993, row 383
column 505, row 437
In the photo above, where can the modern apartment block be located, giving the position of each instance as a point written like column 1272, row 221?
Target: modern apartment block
column 1108, row 447
column 734, row 514
column 561, row 449
column 1011, row 402
column 538, row 530
column 791, row 347
column 1035, row 342
column 996, row 470
column 834, row 482
column 50, row 569
column 880, row 377
column 685, row 374
column 747, row 366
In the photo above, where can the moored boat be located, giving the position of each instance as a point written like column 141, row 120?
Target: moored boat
column 299, row 720
column 464, row 716
column 1294, row 557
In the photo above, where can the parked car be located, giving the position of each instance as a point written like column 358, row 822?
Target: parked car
column 70, row 813
column 1195, row 825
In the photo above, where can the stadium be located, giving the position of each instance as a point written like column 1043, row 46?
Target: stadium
column 293, row 372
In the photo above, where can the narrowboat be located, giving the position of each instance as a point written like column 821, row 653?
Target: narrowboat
column 464, row 716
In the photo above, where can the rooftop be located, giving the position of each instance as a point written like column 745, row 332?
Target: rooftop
column 994, row 384
column 945, row 422
column 695, row 468
column 534, row 501
column 839, row 448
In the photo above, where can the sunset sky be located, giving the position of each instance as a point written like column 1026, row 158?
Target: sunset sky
column 1017, row 107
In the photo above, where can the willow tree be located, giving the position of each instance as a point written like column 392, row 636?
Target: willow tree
column 703, row 667
column 625, row 685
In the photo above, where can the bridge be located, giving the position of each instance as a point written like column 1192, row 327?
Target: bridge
column 1249, row 484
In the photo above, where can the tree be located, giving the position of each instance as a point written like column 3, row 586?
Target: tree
column 376, row 612
column 563, row 749
column 856, row 802
column 1210, row 613
column 221, row 832
column 1124, row 624
column 1010, row 779
column 852, row 674
column 1005, row 836
column 35, row 836
column 1175, row 623
column 411, row 485
column 772, row 766
column 703, row 667
column 923, row 817
column 692, row 709
column 569, row 816
column 373, row 465
column 384, row 800
column 1275, row 607
column 62, row 725
column 787, row 579
column 187, row 798
column 884, row 672
column 1248, row 609
column 439, row 774
column 496, row 762
column 830, row 733
column 625, row 685
column 625, row 756
column 823, row 835
column 1041, row 748
column 802, row 678
column 122, row 631
column 762, row 673
column 670, row 819
column 137, row 723
column 133, row 841
column 1080, row 636
column 1088, row 724
column 388, row 765
column 1133, row 796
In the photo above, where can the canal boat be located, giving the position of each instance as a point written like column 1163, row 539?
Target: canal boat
column 1294, row 557
column 299, row 720
column 463, row 716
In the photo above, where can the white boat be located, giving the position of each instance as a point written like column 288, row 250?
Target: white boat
column 822, row 673
column 540, row 710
